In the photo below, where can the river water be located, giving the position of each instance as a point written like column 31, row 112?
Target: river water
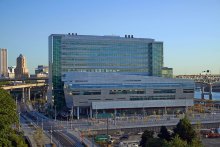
column 215, row 95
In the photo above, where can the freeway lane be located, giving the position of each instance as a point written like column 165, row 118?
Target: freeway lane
column 63, row 138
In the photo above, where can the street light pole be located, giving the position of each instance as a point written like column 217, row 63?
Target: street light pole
column 107, row 126
column 55, row 115
column 67, row 122
column 42, row 125
column 19, row 121
column 185, row 107
column 71, row 118
column 51, row 134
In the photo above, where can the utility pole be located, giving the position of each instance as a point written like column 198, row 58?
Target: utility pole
column 19, row 121
column 55, row 115
column 107, row 126
column 71, row 118
column 67, row 122
column 42, row 125
column 51, row 134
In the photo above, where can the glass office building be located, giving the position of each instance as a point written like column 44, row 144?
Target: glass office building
column 110, row 54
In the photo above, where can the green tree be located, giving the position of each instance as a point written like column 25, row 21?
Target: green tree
column 185, row 130
column 196, row 142
column 8, row 118
column 7, row 110
column 177, row 142
column 164, row 134
column 156, row 142
column 146, row 136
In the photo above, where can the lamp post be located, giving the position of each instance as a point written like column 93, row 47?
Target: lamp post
column 55, row 113
column 107, row 125
column 42, row 125
column 185, row 107
column 51, row 134
column 19, row 113
column 71, row 118
column 35, row 101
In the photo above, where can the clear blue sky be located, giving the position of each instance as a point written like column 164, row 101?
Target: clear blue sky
column 190, row 29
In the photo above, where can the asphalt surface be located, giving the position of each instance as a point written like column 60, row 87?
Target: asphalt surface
column 59, row 134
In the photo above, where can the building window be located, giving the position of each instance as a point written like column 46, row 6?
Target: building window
column 94, row 99
column 164, row 90
column 156, row 97
column 188, row 90
column 87, row 92
column 129, row 91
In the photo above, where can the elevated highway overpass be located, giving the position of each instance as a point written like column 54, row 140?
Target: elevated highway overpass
column 25, row 88
column 204, row 80
column 20, row 86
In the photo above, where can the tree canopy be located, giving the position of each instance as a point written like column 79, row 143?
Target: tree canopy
column 185, row 130
column 184, row 136
column 164, row 134
column 8, row 118
column 146, row 136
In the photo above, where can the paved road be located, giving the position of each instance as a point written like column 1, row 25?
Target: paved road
column 61, row 137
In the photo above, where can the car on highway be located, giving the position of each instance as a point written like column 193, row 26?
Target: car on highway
column 111, row 141
column 140, row 133
column 125, row 136
column 134, row 145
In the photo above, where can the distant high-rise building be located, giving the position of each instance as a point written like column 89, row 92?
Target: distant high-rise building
column 11, row 72
column 21, row 70
column 3, row 63
column 41, row 69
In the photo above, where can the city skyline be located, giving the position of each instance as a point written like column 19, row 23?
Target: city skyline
column 188, row 29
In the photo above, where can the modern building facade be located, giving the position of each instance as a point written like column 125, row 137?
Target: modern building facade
column 21, row 70
column 3, row 63
column 110, row 54
column 94, row 93
column 167, row 72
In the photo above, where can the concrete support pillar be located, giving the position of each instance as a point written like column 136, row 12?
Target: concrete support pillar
column 202, row 92
column 210, row 92
column 77, row 112
column 96, row 113
column 90, row 111
column 115, row 113
column 87, row 111
column 29, row 94
column 23, row 95
column 74, row 111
